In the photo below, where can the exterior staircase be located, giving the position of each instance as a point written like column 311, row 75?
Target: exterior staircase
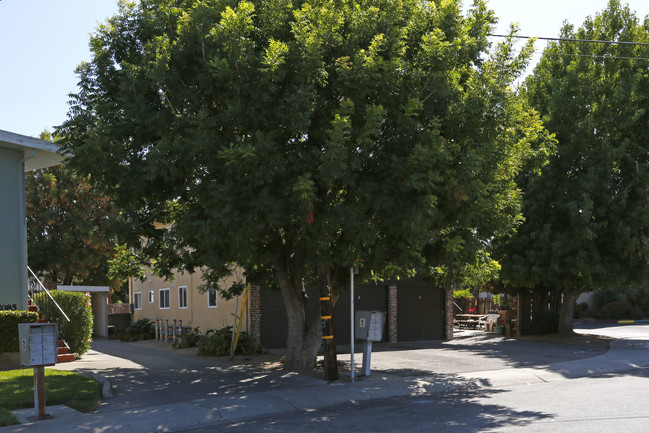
column 64, row 354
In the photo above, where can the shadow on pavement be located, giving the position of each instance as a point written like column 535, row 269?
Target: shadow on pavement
column 471, row 354
column 424, row 413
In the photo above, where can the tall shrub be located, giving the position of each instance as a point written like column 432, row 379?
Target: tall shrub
column 78, row 331
column 9, row 321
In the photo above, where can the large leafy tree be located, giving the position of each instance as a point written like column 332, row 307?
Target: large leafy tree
column 299, row 138
column 587, row 216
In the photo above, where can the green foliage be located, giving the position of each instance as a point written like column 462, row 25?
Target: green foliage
column 71, row 227
column 7, row 418
column 482, row 272
column 218, row 342
column 126, row 264
column 143, row 329
column 63, row 387
column 9, row 320
column 581, row 310
column 502, row 302
column 463, row 294
column 619, row 304
column 307, row 112
column 285, row 136
column 587, row 217
column 606, row 296
column 189, row 339
column 78, row 331
column 618, row 310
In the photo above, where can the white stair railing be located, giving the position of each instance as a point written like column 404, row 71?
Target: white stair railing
column 45, row 303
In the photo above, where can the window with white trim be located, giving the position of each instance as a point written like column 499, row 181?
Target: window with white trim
column 182, row 297
column 211, row 298
column 137, row 300
column 151, row 297
column 164, row 299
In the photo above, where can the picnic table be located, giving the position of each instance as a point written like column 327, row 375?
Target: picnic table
column 475, row 321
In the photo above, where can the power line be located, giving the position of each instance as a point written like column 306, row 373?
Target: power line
column 591, row 41
column 596, row 56
column 601, row 56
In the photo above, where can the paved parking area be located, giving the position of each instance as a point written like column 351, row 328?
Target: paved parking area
column 475, row 352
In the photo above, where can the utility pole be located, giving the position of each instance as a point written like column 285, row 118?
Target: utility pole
column 326, row 315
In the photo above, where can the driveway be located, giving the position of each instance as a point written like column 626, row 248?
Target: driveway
column 614, row 330
column 472, row 351
column 150, row 373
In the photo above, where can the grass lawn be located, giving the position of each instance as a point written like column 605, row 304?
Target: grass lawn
column 61, row 387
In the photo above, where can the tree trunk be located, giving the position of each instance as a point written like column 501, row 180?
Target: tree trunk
column 328, row 336
column 567, row 312
column 304, row 332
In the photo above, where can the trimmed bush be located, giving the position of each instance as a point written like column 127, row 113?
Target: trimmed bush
column 9, row 320
column 616, row 310
column 618, row 304
column 78, row 331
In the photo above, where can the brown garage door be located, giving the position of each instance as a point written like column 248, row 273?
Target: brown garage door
column 420, row 313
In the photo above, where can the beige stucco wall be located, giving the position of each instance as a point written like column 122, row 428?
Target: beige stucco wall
column 197, row 313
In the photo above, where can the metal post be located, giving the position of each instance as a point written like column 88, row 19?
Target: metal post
column 352, row 324
column 367, row 357
column 39, row 392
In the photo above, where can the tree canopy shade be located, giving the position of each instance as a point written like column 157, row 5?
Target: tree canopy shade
column 297, row 138
column 587, row 216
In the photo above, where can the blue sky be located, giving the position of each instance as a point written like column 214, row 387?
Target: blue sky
column 42, row 41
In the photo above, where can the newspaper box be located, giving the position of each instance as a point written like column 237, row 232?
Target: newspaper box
column 369, row 325
column 369, row 328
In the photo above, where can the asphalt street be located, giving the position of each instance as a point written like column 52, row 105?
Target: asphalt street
column 616, row 403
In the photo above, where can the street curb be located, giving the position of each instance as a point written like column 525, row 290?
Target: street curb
column 106, row 386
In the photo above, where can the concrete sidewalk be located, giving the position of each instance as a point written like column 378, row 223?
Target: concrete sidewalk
column 225, row 393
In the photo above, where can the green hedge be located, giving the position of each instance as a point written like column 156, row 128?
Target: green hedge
column 9, row 321
column 78, row 331
column 621, row 304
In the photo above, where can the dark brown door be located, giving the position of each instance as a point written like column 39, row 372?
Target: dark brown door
column 420, row 313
